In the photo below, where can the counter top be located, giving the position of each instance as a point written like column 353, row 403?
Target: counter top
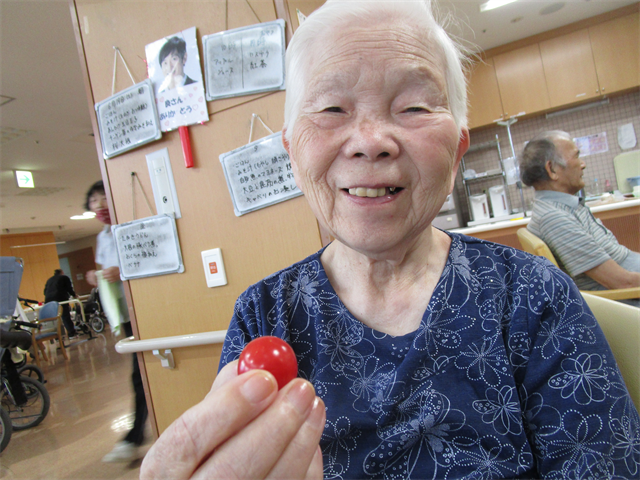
column 518, row 222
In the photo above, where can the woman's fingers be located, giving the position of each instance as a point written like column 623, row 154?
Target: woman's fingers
column 111, row 274
column 228, row 372
column 296, row 460
column 316, row 469
column 91, row 278
column 200, row 430
column 259, row 447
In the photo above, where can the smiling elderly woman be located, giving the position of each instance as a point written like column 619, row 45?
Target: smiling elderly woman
column 432, row 354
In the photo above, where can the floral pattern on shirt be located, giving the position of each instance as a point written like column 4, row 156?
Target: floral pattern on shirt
column 507, row 376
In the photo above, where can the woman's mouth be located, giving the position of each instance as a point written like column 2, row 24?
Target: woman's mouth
column 373, row 192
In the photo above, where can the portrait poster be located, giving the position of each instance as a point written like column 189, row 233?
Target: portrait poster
column 174, row 70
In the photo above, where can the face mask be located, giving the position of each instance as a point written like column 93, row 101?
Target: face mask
column 103, row 216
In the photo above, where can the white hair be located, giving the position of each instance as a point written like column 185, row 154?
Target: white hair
column 333, row 12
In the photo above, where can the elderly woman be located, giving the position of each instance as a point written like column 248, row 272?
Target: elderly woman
column 424, row 354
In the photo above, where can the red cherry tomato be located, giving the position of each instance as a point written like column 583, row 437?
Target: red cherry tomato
column 271, row 354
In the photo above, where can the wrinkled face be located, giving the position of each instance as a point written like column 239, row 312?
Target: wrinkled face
column 173, row 62
column 375, row 149
column 570, row 177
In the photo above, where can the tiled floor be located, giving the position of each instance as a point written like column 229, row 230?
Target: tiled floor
column 91, row 409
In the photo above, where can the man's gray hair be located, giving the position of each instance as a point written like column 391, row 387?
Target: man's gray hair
column 537, row 153
column 309, row 34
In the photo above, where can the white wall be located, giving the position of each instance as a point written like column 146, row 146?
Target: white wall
column 78, row 244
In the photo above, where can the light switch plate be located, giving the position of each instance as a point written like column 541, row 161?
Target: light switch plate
column 214, row 270
column 164, row 188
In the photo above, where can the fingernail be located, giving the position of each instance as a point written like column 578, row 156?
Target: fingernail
column 301, row 396
column 258, row 387
column 316, row 418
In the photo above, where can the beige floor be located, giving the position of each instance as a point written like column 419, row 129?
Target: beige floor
column 91, row 409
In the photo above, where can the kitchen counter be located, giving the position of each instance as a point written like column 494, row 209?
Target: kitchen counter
column 622, row 218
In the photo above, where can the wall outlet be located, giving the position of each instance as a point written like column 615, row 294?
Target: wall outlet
column 214, row 270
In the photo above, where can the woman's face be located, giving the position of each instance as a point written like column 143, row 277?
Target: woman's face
column 97, row 201
column 375, row 149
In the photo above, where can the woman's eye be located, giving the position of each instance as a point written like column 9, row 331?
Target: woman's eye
column 415, row 110
column 333, row 110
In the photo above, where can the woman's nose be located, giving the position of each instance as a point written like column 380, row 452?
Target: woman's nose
column 373, row 139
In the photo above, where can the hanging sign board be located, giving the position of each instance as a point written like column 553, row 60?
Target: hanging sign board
column 174, row 69
column 245, row 60
column 148, row 247
column 259, row 174
column 128, row 119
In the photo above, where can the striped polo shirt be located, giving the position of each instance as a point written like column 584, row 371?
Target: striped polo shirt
column 578, row 240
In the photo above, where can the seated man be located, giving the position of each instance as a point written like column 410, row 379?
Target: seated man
column 582, row 245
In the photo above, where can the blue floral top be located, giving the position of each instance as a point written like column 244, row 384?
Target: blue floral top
column 508, row 375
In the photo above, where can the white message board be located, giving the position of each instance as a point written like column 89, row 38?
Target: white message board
column 259, row 174
column 128, row 119
column 148, row 247
column 244, row 60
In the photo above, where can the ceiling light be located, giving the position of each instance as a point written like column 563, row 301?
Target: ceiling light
column 84, row 216
column 24, row 178
column 491, row 4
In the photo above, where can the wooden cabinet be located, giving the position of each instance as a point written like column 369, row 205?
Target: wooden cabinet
column 616, row 53
column 485, row 105
column 521, row 80
column 598, row 59
column 569, row 68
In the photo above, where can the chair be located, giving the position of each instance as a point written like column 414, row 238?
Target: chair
column 621, row 325
column 532, row 244
column 51, row 314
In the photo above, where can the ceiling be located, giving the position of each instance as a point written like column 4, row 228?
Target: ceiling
column 47, row 127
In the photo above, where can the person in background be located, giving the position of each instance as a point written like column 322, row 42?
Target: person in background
column 582, row 245
column 173, row 58
column 421, row 353
column 59, row 289
column 106, row 256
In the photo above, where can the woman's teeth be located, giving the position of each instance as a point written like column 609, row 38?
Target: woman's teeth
column 371, row 192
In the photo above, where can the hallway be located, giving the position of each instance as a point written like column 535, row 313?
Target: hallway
column 91, row 409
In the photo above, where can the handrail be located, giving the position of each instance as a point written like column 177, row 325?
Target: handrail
column 131, row 345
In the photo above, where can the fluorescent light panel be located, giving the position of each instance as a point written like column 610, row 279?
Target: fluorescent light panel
column 491, row 4
column 84, row 216
column 586, row 106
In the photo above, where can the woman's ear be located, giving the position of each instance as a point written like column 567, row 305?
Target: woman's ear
column 285, row 142
column 287, row 147
column 463, row 146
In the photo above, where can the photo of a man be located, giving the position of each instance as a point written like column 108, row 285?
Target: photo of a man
column 172, row 59
column 174, row 69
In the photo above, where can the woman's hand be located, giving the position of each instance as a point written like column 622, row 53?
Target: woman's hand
column 244, row 428
column 111, row 274
column 91, row 278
